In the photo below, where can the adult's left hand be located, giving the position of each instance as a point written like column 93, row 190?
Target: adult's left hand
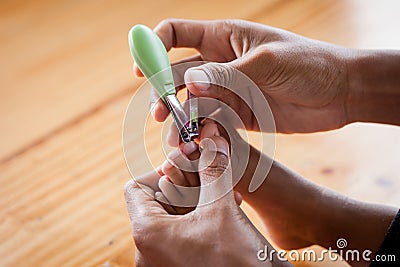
column 215, row 233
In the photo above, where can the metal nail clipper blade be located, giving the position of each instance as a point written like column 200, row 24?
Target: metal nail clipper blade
column 151, row 57
column 180, row 117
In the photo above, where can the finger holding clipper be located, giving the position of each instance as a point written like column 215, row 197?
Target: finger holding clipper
column 158, row 109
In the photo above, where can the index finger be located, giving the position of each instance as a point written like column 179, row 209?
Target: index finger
column 158, row 109
column 179, row 33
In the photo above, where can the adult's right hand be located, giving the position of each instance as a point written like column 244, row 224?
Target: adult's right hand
column 304, row 80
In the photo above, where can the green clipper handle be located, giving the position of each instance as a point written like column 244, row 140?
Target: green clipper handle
column 151, row 57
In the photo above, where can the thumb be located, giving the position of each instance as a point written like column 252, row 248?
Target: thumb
column 215, row 172
column 212, row 79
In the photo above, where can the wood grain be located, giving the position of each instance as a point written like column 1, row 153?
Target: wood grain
column 66, row 79
column 73, row 56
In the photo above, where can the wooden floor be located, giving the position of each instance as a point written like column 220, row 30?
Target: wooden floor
column 66, row 79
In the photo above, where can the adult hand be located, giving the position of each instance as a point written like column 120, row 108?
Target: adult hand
column 304, row 80
column 285, row 202
column 179, row 184
column 215, row 233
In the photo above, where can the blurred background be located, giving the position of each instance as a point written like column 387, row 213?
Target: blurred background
column 66, row 79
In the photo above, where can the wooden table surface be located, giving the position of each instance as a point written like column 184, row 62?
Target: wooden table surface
column 66, row 79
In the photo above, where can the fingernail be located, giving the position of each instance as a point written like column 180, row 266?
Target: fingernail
column 165, row 166
column 189, row 148
column 174, row 154
column 200, row 78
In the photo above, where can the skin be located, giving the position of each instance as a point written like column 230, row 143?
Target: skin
column 310, row 86
column 297, row 212
column 217, row 232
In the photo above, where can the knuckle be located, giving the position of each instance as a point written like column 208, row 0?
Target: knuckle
column 211, row 173
column 143, row 234
column 221, row 75
column 129, row 188
column 234, row 24
column 264, row 52
column 216, row 168
column 166, row 22
column 227, row 24
column 220, row 161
